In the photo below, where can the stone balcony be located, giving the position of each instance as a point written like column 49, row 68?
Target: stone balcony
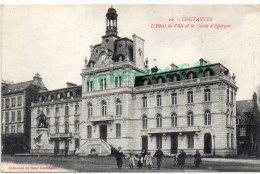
column 174, row 130
column 107, row 118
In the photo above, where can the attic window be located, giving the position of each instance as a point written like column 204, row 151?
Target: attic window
column 120, row 45
column 107, row 40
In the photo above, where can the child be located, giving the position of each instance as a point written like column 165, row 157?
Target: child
column 132, row 159
column 149, row 161
column 140, row 162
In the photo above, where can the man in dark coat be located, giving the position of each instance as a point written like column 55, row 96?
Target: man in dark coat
column 197, row 159
column 159, row 155
column 181, row 159
column 143, row 154
column 119, row 157
column 66, row 151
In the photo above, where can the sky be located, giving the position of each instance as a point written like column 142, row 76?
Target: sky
column 54, row 40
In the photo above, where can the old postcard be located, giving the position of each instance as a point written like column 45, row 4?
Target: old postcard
column 130, row 88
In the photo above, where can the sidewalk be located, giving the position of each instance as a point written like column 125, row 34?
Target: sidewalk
column 248, row 161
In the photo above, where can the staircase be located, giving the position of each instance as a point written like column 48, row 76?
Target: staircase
column 94, row 147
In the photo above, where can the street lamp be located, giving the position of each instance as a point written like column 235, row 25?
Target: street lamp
column 214, row 146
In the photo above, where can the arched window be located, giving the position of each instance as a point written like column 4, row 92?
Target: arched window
column 190, row 96
column 76, row 126
column 159, row 121
column 146, row 82
column 208, row 72
column 89, row 131
column 190, row 119
column 66, row 110
column 118, row 130
column 207, row 118
column 174, row 98
column 66, row 124
column 144, row 101
column 144, row 119
column 118, row 107
column 90, row 110
column 103, row 108
column 174, row 120
column 175, row 78
column 159, row 100
column 57, row 130
column 191, row 75
column 207, row 94
column 160, row 80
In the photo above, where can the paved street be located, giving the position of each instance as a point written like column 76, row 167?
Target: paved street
column 108, row 164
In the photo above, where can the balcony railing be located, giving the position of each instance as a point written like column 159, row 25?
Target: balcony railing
column 101, row 118
column 174, row 129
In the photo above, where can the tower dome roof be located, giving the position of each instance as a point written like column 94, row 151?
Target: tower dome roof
column 111, row 10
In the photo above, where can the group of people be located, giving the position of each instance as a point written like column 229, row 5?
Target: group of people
column 146, row 159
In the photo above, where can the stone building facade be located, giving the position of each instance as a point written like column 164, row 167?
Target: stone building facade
column 16, row 114
column 125, row 104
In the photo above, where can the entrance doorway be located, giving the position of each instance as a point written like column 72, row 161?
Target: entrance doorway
column 207, row 143
column 103, row 132
column 57, row 145
column 76, row 143
column 145, row 143
column 174, row 144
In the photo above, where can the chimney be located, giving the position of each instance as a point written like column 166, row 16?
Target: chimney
column 202, row 62
column 91, row 48
column 174, row 67
column 154, row 70
column 37, row 78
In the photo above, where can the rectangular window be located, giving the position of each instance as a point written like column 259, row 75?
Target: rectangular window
column 19, row 101
column 144, row 102
column 12, row 129
column 159, row 141
column 242, row 131
column 13, row 116
column 19, row 130
column 7, row 103
column 76, row 109
column 118, row 81
column 232, row 95
column 19, row 115
column 227, row 94
column 13, row 102
column 118, row 130
column 190, row 141
column 227, row 140
column 89, row 133
column 207, row 95
column 7, row 117
column 2, row 104
column 190, row 97
column 174, row 99
column 90, row 86
column 6, row 129
column 159, row 100
column 118, row 109
column 103, row 84
column 232, row 141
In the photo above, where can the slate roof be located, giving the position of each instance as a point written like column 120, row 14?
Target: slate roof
column 16, row 88
column 245, row 105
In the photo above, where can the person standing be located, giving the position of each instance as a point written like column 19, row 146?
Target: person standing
column 148, row 160
column 66, row 151
column 197, row 159
column 181, row 159
column 159, row 155
column 119, row 157
column 143, row 154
